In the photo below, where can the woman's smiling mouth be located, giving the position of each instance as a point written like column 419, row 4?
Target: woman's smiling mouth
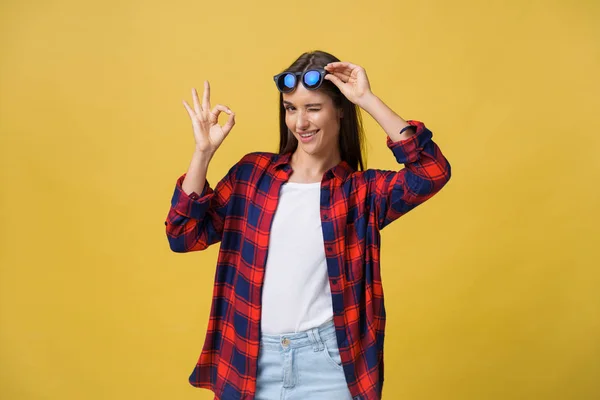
column 307, row 137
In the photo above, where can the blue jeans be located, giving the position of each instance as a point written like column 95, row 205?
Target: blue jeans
column 300, row 366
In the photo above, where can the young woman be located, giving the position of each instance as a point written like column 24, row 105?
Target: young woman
column 298, row 309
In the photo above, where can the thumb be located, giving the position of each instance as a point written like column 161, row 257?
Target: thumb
column 335, row 80
column 229, row 124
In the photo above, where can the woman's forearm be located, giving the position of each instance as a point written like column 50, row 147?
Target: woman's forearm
column 391, row 122
column 196, row 175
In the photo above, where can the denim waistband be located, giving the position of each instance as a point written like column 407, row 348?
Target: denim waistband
column 309, row 337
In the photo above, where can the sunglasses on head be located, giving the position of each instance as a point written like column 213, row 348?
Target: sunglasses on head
column 311, row 79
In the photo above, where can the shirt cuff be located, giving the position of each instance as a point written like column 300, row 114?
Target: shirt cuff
column 193, row 205
column 409, row 150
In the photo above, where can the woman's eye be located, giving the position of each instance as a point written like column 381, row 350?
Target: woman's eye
column 314, row 109
column 289, row 108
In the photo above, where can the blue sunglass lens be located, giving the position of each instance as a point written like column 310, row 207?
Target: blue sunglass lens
column 311, row 78
column 289, row 81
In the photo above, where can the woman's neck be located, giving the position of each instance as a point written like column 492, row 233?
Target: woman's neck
column 310, row 168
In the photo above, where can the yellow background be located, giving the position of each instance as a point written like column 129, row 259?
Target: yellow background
column 492, row 287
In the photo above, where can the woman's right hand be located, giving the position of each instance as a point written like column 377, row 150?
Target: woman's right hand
column 207, row 132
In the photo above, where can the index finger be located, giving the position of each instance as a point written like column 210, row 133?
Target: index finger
column 337, row 64
column 343, row 65
column 338, row 67
column 206, row 96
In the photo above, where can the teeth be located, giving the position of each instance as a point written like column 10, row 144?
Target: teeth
column 308, row 134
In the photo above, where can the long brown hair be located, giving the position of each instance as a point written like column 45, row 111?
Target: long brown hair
column 351, row 139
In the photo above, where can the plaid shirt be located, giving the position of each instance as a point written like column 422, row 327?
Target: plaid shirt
column 355, row 206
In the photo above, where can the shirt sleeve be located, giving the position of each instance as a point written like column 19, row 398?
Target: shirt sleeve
column 196, row 221
column 425, row 172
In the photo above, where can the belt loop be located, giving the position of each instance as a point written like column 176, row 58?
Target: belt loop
column 315, row 338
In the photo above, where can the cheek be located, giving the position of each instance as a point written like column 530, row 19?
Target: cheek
column 290, row 121
column 332, row 126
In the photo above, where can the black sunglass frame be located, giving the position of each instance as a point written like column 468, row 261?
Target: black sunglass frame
column 300, row 75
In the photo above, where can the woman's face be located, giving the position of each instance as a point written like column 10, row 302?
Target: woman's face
column 310, row 111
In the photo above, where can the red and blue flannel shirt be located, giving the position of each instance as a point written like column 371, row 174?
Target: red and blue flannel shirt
column 355, row 206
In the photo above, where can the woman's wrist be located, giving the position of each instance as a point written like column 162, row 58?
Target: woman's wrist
column 370, row 103
column 203, row 154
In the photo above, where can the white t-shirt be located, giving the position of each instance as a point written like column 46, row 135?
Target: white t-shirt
column 296, row 294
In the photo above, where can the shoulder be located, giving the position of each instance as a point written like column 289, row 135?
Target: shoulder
column 258, row 157
column 371, row 176
column 255, row 161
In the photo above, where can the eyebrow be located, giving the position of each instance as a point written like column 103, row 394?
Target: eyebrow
column 306, row 105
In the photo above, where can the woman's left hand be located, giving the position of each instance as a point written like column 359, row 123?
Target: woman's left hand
column 351, row 79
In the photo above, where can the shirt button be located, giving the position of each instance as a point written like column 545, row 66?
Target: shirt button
column 329, row 249
column 324, row 216
column 285, row 342
column 334, row 281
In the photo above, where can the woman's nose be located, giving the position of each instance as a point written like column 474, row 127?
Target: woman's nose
column 301, row 122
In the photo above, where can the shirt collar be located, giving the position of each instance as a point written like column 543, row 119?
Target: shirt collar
column 341, row 171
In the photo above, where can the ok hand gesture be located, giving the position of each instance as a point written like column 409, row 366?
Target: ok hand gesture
column 207, row 132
